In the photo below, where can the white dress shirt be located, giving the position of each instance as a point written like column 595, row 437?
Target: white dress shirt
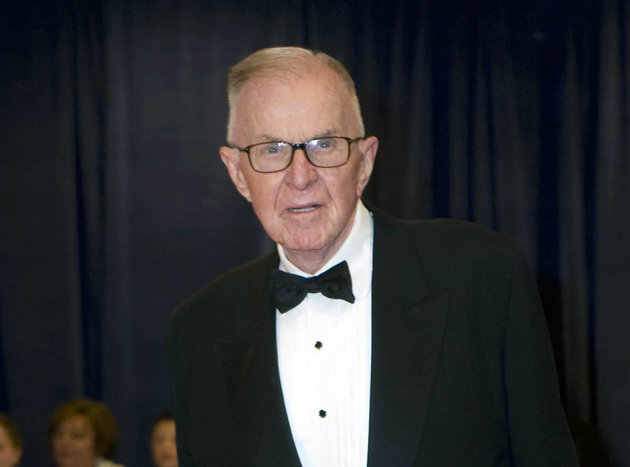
column 324, row 358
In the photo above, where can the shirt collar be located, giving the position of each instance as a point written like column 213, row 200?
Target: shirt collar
column 356, row 250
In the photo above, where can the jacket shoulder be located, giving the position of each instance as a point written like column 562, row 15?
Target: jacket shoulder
column 449, row 235
column 228, row 292
column 450, row 250
column 461, row 235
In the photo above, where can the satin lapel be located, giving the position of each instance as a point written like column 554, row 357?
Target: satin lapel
column 253, row 381
column 408, row 322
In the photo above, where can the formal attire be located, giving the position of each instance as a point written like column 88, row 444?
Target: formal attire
column 324, row 359
column 461, row 370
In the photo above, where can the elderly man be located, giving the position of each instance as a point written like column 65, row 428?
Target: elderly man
column 362, row 340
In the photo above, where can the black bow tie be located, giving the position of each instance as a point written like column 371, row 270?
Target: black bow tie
column 289, row 290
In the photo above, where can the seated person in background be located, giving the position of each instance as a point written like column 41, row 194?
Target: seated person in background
column 10, row 443
column 83, row 433
column 163, row 446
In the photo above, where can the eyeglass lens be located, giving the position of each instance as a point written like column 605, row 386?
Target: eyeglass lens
column 322, row 152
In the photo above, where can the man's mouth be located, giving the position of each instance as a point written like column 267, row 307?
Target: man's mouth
column 304, row 208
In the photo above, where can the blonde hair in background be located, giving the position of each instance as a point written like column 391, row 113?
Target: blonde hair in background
column 280, row 62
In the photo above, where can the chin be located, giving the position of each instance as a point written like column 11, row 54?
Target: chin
column 306, row 243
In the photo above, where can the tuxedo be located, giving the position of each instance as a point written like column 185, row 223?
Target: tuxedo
column 462, row 371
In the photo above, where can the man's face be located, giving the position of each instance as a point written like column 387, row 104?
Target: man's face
column 306, row 209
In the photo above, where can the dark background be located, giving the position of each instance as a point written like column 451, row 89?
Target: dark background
column 114, row 205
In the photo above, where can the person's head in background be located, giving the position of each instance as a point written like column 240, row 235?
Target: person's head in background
column 81, row 431
column 10, row 443
column 163, row 445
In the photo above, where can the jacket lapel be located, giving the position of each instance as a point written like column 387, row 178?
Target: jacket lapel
column 253, row 380
column 408, row 320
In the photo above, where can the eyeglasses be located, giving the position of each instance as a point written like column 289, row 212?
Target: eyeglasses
column 274, row 156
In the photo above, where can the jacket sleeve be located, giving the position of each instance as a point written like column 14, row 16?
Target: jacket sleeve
column 539, row 434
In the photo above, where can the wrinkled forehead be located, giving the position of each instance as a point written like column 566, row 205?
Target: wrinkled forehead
column 318, row 83
column 292, row 105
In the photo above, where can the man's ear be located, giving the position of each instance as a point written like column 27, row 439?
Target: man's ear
column 367, row 150
column 232, row 159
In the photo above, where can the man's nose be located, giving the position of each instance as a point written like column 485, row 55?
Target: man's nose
column 301, row 173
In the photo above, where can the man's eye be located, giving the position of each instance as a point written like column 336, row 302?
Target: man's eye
column 323, row 144
column 272, row 149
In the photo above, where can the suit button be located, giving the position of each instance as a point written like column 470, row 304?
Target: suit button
column 322, row 413
column 318, row 345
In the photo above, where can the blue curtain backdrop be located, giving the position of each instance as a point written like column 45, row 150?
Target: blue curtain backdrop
column 114, row 205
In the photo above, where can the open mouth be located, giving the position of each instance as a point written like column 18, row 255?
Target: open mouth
column 304, row 208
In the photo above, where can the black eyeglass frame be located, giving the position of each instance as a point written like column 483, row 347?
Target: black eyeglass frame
column 295, row 147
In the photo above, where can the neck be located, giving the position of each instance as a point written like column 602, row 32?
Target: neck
column 309, row 261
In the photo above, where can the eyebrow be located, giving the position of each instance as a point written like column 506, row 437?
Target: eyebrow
column 326, row 132
column 265, row 138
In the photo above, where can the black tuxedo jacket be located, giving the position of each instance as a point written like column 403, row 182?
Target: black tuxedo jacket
column 462, row 369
